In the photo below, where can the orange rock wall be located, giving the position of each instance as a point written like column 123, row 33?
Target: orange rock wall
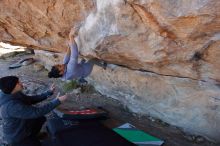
column 178, row 38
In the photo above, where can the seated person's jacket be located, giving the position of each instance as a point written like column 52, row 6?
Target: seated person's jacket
column 16, row 109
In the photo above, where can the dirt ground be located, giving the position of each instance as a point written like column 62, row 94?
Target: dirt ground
column 35, row 80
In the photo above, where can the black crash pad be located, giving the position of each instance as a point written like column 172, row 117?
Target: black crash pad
column 82, row 133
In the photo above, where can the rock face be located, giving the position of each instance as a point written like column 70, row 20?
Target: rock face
column 170, row 50
column 190, row 104
column 41, row 24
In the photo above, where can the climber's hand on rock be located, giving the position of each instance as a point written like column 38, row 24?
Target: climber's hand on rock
column 73, row 32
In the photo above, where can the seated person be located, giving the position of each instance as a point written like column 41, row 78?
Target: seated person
column 71, row 69
column 22, row 119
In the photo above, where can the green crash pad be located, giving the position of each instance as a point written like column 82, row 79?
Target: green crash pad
column 136, row 136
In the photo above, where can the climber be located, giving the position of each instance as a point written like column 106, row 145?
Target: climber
column 71, row 69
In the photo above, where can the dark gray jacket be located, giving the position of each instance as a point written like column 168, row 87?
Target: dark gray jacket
column 16, row 109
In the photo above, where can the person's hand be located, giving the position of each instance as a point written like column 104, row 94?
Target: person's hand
column 72, row 32
column 63, row 98
column 52, row 88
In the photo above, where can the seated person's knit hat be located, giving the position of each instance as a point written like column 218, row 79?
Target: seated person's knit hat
column 8, row 83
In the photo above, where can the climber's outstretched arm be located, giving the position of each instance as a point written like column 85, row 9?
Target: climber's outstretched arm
column 67, row 56
column 72, row 50
column 73, row 46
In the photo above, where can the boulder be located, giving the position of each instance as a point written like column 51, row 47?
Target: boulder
column 190, row 104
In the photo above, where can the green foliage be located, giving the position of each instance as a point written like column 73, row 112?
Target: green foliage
column 73, row 84
column 70, row 86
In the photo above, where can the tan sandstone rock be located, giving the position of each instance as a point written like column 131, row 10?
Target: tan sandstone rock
column 170, row 38
column 190, row 104
column 41, row 24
